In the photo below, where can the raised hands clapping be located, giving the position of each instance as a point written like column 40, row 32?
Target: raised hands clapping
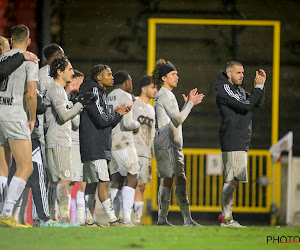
column 260, row 77
column 123, row 110
column 194, row 97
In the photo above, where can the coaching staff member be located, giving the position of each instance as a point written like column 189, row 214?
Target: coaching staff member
column 235, row 105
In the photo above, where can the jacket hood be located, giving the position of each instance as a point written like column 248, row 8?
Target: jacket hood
column 220, row 80
column 88, row 85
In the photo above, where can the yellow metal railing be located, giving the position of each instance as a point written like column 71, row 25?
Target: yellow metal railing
column 204, row 190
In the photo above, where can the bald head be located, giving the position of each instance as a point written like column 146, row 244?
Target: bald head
column 4, row 45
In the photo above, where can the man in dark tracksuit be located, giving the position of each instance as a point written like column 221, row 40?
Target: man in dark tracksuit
column 235, row 105
column 95, row 137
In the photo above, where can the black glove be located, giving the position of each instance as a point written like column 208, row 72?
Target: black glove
column 86, row 98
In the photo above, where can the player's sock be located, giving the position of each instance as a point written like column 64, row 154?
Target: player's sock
column 56, row 211
column 3, row 187
column 14, row 191
column 118, row 204
column 163, row 203
column 120, row 216
column 116, row 195
column 183, row 202
column 90, row 203
column 138, row 207
column 52, row 201
column 138, row 212
column 17, row 209
column 128, row 200
column 80, row 207
column 34, row 214
column 23, row 207
column 62, row 197
column 109, row 210
column 227, row 201
column 69, row 201
column 113, row 193
column 231, row 204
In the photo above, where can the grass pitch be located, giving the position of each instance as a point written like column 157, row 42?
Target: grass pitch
column 146, row 237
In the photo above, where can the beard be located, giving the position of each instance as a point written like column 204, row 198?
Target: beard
column 237, row 82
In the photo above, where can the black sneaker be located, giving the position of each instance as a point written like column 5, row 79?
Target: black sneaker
column 164, row 223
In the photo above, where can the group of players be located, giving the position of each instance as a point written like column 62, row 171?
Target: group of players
column 54, row 119
column 104, row 143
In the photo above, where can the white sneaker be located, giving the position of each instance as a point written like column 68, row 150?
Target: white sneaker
column 128, row 224
column 234, row 224
column 52, row 223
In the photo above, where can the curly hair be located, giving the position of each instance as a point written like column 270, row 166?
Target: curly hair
column 97, row 69
column 155, row 78
column 120, row 77
column 59, row 63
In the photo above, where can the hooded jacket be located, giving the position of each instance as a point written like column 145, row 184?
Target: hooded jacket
column 234, row 105
column 96, row 124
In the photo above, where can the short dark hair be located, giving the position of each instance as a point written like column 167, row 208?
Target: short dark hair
column 120, row 77
column 20, row 33
column 77, row 73
column 59, row 63
column 145, row 81
column 51, row 51
column 231, row 64
column 97, row 69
